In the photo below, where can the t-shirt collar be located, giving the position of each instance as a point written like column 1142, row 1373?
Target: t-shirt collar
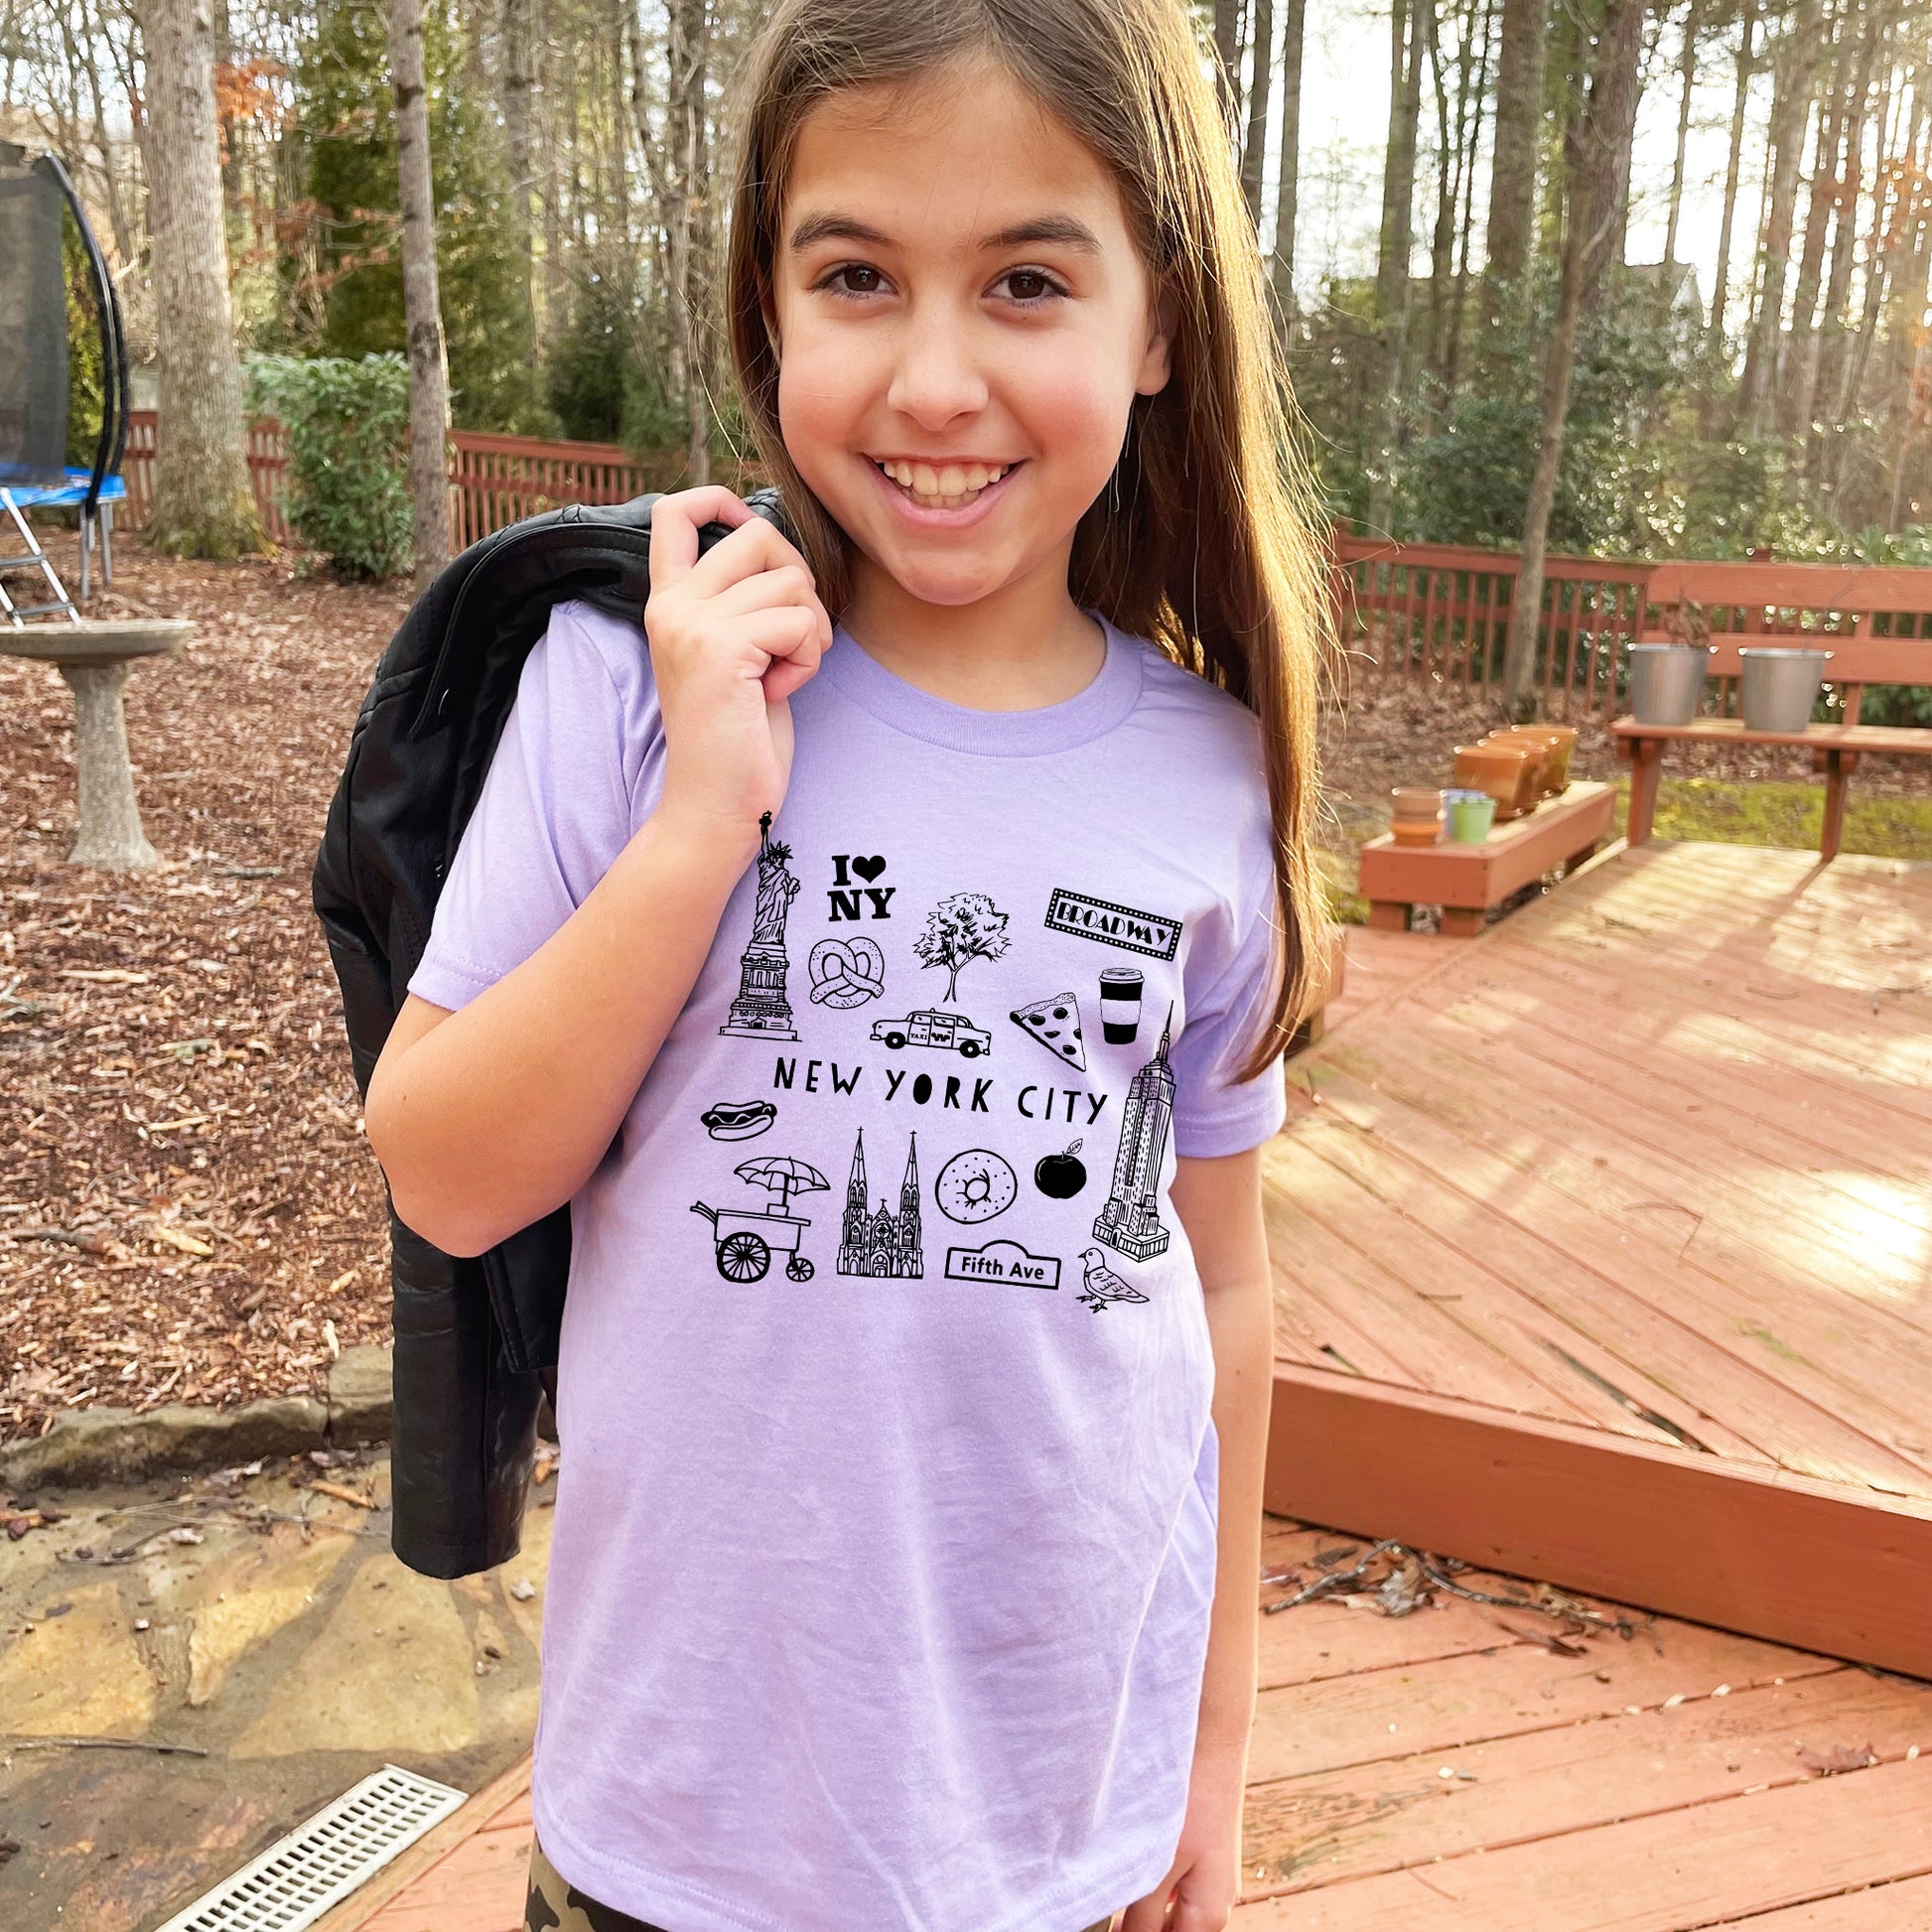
column 1102, row 705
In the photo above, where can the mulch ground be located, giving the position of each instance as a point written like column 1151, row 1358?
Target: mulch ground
column 188, row 1209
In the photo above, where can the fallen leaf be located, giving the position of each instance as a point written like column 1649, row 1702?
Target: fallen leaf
column 1841, row 1757
column 189, row 1244
column 342, row 1493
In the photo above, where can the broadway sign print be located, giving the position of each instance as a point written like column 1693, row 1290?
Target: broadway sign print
column 1109, row 924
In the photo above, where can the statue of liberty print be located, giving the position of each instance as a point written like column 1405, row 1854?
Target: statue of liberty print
column 761, row 1010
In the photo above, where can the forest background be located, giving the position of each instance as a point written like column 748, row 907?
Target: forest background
column 1724, row 203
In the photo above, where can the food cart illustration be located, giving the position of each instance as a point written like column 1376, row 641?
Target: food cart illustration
column 745, row 1239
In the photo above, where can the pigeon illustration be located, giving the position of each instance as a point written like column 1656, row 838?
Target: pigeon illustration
column 1103, row 1285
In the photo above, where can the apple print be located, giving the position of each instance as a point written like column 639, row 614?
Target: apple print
column 1059, row 1177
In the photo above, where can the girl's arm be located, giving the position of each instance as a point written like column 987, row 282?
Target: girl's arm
column 1219, row 1204
column 487, row 1118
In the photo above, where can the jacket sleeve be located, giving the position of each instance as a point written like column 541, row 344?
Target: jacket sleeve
column 556, row 807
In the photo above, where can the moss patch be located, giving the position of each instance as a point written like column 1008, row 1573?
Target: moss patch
column 1769, row 812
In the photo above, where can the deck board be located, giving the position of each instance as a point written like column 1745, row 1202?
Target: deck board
column 1664, row 1136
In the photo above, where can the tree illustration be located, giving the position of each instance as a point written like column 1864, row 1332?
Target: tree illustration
column 965, row 926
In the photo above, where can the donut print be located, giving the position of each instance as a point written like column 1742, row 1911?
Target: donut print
column 975, row 1185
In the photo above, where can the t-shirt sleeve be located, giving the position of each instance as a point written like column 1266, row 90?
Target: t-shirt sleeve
column 1215, row 1112
column 556, row 807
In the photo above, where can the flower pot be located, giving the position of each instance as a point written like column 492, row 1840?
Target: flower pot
column 1418, row 814
column 1666, row 682
column 1471, row 815
column 1543, row 748
column 1780, row 686
column 1565, row 737
column 1504, row 771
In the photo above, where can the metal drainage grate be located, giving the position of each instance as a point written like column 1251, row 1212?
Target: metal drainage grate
column 299, row 1877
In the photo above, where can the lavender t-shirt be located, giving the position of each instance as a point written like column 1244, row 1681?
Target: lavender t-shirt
column 884, row 1536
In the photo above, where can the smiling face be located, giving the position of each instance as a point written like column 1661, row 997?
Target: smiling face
column 962, row 322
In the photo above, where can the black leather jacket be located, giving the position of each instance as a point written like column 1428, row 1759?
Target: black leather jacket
column 476, row 1340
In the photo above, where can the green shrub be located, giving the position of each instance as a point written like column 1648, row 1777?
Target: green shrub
column 346, row 428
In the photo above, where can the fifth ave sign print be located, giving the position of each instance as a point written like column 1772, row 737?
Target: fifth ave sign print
column 1109, row 924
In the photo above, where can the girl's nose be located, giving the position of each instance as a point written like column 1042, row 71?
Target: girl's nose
column 936, row 379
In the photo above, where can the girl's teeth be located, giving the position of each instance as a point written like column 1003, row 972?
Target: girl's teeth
column 947, row 487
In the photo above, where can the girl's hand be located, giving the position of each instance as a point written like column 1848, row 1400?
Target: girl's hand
column 733, row 635
column 1201, row 1886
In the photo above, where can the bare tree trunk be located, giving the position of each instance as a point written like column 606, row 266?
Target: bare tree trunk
column 1835, row 110
column 1820, row 369
column 1797, row 61
column 1596, row 194
column 429, row 374
column 1227, row 60
column 1520, row 67
column 685, row 198
column 1288, row 166
column 1394, row 287
column 1477, row 88
column 1720, row 285
column 1686, row 77
column 1442, row 242
column 1891, row 240
column 516, row 144
column 1255, row 151
column 204, row 506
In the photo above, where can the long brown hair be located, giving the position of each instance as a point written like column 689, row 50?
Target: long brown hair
column 1204, row 541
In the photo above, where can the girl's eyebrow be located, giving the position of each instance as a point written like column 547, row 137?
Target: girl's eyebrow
column 1063, row 230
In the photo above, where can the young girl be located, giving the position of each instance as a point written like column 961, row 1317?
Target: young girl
column 888, row 954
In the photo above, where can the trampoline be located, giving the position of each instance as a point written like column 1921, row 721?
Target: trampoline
column 34, row 469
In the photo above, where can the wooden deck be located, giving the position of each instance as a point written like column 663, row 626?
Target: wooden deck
column 1605, row 1248
column 1605, row 1256
column 1671, row 1778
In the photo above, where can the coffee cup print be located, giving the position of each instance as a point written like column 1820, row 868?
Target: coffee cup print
column 1120, row 1004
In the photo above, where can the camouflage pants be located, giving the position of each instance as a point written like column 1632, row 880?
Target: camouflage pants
column 556, row 1906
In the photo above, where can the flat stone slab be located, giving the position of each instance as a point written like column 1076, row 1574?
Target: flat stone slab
column 96, row 640
column 260, row 1625
column 107, row 1445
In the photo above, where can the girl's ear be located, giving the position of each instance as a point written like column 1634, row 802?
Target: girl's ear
column 1157, row 365
column 770, row 311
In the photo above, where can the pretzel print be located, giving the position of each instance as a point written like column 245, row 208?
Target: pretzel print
column 847, row 972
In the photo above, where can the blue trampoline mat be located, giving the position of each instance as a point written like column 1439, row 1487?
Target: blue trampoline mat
column 113, row 490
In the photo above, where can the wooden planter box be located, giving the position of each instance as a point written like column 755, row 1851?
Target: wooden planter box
column 1466, row 879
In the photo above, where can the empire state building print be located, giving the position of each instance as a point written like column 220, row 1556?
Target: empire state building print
column 1130, row 1220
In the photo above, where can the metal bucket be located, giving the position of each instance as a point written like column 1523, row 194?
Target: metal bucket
column 1666, row 682
column 1780, row 686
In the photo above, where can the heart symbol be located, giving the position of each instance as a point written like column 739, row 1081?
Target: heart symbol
column 869, row 868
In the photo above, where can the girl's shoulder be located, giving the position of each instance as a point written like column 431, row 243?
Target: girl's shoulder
column 583, row 642
column 1213, row 733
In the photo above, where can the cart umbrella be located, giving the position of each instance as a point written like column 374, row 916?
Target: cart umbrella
column 785, row 1175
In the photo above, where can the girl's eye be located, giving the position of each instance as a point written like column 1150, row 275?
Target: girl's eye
column 1030, row 287
column 853, row 278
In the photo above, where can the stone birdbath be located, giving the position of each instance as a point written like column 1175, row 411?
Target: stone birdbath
column 93, row 656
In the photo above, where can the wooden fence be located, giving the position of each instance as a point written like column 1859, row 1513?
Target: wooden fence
column 1437, row 615
column 493, row 480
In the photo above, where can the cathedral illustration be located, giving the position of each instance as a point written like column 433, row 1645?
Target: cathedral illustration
column 881, row 1243
column 1130, row 1220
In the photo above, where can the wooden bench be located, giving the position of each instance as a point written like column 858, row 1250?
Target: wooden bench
column 1826, row 606
column 1466, row 880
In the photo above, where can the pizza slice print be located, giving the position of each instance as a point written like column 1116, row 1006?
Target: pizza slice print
column 1055, row 1023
